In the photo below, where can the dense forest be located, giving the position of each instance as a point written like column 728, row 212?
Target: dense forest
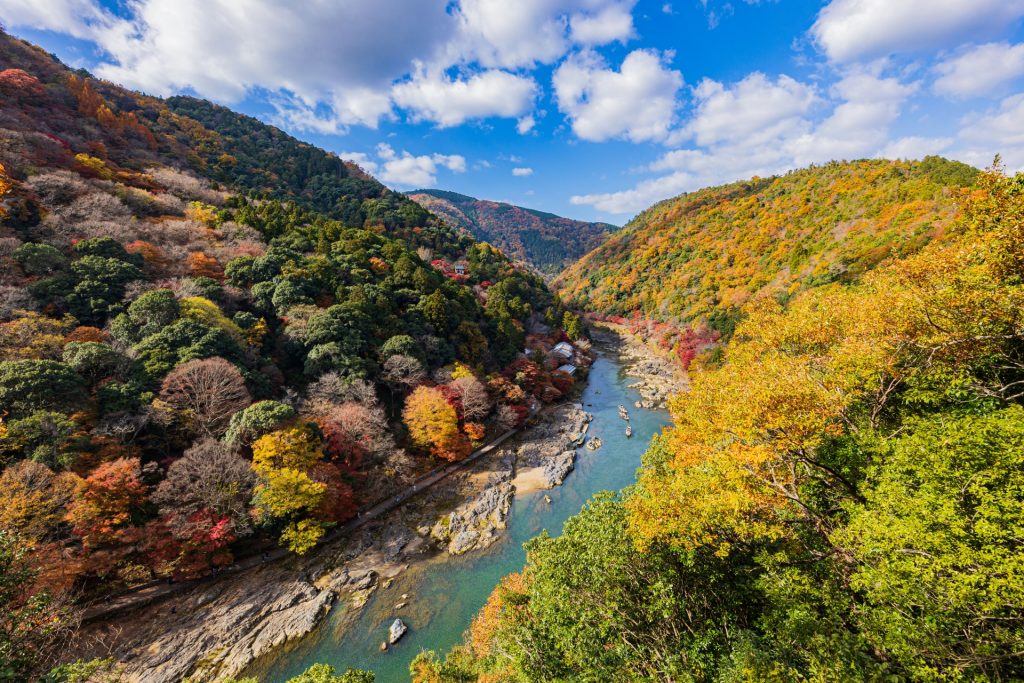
column 701, row 256
column 216, row 340
column 545, row 241
column 841, row 496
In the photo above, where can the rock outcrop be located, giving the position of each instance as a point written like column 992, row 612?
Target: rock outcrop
column 396, row 631
column 217, row 629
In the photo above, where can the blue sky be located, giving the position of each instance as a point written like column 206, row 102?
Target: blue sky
column 592, row 109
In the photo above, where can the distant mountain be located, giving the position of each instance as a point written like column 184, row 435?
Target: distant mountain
column 546, row 241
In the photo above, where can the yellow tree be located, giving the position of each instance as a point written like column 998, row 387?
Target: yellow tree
column 433, row 424
column 283, row 461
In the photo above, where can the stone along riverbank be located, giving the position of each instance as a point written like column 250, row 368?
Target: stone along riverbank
column 217, row 628
column 336, row 604
column 438, row 595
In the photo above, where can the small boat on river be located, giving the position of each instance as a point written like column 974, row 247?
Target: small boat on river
column 629, row 431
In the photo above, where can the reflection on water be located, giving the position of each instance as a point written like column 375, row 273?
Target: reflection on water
column 445, row 593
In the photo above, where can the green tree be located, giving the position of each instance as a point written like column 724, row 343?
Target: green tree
column 147, row 315
column 938, row 546
column 39, row 259
column 94, row 360
column 325, row 673
column 572, row 325
column 252, row 422
column 30, row 385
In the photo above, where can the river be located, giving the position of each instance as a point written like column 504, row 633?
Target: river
column 445, row 592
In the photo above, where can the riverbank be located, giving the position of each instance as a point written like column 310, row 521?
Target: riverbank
column 439, row 597
column 222, row 627
column 218, row 628
column 659, row 375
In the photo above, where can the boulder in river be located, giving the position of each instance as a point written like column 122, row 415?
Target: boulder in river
column 397, row 630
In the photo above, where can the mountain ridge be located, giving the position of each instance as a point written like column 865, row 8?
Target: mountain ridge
column 703, row 254
column 545, row 240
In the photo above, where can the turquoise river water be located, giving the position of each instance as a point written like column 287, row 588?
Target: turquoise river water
column 446, row 592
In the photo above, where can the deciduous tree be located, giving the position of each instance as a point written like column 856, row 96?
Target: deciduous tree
column 434, row 425
column 209, row 390
column 209, row 476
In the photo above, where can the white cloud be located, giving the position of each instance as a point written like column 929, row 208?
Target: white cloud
column 403, row 169
column 1000, row 127
column 760, row 127
column 224, row 48
column 504, row 34
column 521, row 172
column 980, row 71
column 638, row 102
column 915, row 147
column 999, row 130
column 860, row 124
column 641, row 196
column 329, row 65
column 610, row 24
column 755, row 109
column 79, row 18
column 850, row 30
column 525, row 125
column 449, row 102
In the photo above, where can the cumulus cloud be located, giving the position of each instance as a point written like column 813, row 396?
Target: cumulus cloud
column 525, row 125
column 329, row 65
column 403, row 169
column 980, row 70
column 859, row 124
column 504, row 34
column 850, row 30
column 522, row 172
column 450, row 102
column 637, row 102
column 755, row 109
column 607, row 25
column 79, row 18
column 763, row 127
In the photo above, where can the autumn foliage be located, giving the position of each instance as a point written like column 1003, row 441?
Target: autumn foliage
column 434, row 424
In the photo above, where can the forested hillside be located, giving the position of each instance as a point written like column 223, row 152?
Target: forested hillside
column 841, row 497
column 702, row 256
column 215, row 338
column 547, row 242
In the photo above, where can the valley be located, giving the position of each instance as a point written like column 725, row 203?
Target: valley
column 270, row 415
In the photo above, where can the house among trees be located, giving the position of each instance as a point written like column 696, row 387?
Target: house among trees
column 568, row 369
column 460, row 267
column 563, row 349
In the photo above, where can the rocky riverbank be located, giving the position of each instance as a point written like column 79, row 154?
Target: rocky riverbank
column 219, row 628
column 541, row 458
column 658, row 375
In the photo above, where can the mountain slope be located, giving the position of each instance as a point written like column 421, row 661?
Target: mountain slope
column 215, row 337
column 544, row 240
column 703, row 255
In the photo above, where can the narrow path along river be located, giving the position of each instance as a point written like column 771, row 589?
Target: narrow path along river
column 446, row 592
